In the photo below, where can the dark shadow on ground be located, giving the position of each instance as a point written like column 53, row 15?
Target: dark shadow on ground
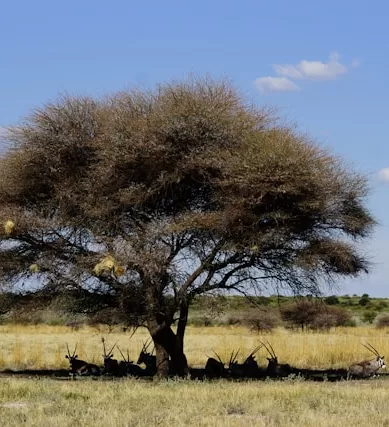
column 198, row 374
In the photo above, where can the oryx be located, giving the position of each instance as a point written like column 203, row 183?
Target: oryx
column 214, row 368
column 128, row 367
column 80, row 367
column 274, row 368
column 111, row 366
column 367, row 368
column 249, row 368
column 148, row 359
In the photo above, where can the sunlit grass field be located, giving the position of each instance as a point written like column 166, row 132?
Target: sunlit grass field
column 44, row 347
column 130, row 402
column 184, row 403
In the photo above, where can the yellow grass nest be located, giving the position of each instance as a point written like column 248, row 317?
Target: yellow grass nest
column 108, row 264
column 34, row 268
column 9, row 227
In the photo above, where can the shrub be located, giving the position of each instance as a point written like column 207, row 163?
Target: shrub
column 332, row 300
column 263, row 320
column 342, row 317
column 369, row 316
column 234, row 320
column 383, row 321
column 323, row 321
column 262, row 300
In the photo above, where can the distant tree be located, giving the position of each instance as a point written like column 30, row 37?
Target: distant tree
column 365, row 299
column 150, row 198
column 332, row 300
column 262, row 320
column 314, row 314
column 301, row 313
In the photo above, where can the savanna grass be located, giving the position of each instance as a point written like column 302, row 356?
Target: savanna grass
column 183, row 403
column 130, row 402
column 44, row 347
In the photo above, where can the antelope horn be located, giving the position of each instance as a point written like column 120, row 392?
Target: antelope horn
column 218, row 356
column 267, row 349
column 103, row 341
column 147, row 345
column 121, row 353
column 236, row 356
column 128, row 356
column 255, row 350
column 371, row 349
column 75, row 349
column 133, row 333
column 67, row 346
column 110, row 351
column 274, row 354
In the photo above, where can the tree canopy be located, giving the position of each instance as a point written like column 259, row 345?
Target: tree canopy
column 154, row 197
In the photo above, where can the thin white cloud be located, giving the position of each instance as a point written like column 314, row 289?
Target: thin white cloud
column 383, row 175
column 275, row 84
column 315, row 70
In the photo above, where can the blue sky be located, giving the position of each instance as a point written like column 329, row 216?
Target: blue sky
column 323, row 64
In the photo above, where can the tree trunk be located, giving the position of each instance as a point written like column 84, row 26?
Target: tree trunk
column 167, row 345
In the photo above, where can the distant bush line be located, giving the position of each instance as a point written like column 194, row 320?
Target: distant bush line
column 259, row 314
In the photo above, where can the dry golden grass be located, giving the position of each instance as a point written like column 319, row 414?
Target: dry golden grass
column 183, row 403
column 129, row 402
column 42, row 346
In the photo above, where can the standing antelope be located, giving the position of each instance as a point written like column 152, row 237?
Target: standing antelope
column 214, row 368
column 367, row 368
column 274, row 368
column 80, row 367
column 249, row 368
column 111, row 366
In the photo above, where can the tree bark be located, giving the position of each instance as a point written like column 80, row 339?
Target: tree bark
column 168, row 344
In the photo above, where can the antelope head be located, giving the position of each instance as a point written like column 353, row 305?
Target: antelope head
column 273, row 358
column 70, row 356
column 379, row 359
column 144, row 355
column 109, row 355
column 250, row 359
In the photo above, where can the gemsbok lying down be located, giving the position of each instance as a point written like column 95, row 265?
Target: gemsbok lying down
column 367, row 368
column 249, row 368
column 128, row 367
column 215, row 368
column 275, row 369
column 111, row 365
column 80, row 367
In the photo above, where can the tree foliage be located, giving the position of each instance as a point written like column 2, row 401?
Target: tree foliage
column 173, row 193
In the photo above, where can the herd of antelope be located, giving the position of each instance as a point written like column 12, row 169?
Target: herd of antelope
column 214, row 368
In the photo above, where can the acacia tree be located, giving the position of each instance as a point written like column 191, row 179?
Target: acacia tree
column 167, row 194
